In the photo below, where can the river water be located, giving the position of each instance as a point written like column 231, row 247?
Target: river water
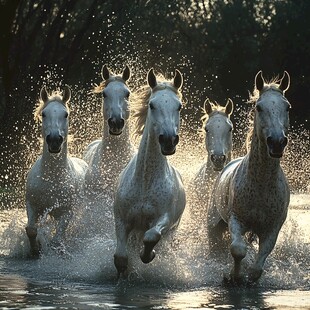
column 182, row 276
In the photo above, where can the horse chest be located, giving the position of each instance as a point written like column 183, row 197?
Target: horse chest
column 260, row 205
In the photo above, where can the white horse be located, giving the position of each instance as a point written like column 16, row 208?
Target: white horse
column 252, row 194
column 218, row 142
column 150, row 196
column 55, row 181
column 108, row 156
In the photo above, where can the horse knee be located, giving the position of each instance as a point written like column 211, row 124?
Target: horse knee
column 151, row 236
column 121, row 264
column 238, row 250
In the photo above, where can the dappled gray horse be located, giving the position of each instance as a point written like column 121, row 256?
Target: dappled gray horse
column 108, row 156
column 252, row 194
column 55, row 181
column 150, row 197
column 218, row 128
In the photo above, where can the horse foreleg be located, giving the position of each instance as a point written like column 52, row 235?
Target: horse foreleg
column 121, row 255
column 266, row 245
column 61, row 228
column 237, row 247
column 31, row 231
column 151, row 238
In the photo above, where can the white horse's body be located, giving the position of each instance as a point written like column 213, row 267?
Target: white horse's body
column 252, row 194
column 55, row 181
column 150, row 196
column 218, row 143
column 108, row 156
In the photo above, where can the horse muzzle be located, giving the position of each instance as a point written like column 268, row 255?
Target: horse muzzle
column 116, row 125
column 54, row 143
column 168, row 144
column 218, row 161
column 276, row 146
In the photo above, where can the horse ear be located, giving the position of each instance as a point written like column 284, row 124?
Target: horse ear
column 285, row 82
column 178, row 79
column 208, row 106
column 229, row 107
column 259, row 81
column 66, row 94
column 126, row 73
column 43, row 94
column 151, row 78
column 105, row 73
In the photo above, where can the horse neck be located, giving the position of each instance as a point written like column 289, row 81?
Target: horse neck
column 149, row 157
column 53, row 162
column 120, row 142
column 258, row 160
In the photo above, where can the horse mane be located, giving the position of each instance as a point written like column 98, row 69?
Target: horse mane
column 97, row 89
column 54, row 96
column 274, row 84
column 140, row 101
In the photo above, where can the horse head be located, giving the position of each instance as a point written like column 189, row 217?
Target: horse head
column 218, row 132
column 54, row 115
column 271, row 115
column 164, row 110
column 115, row 99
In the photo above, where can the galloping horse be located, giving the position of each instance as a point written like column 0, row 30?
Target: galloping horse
column 251, row 194
column 150, row 196
column 55, row 181
column 108, row 156
column 218, row 142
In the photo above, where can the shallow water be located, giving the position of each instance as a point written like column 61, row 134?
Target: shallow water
column 182, row 276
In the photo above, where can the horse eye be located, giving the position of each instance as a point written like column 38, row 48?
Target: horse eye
column 152, row 106
column 66, row 115
column 43, row 114
column 258, row 108
column 206, row 130
column 180, row 107
column 127, row 95
column 104, row 94
column 230, row 129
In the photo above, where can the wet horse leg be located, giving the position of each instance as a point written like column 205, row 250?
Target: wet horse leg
column 266, row 245
column 31, row 231
column 216, row 228
column 151, row 238
column 121, row 255
column 63, row 222
column 238, row 246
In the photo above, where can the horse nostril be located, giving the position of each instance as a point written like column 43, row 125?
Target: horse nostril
column 175, row 140
column 116, row 123
column 212, row 157
column 284, row 141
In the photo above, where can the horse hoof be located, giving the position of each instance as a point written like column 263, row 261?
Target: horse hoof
column 147, row 258
column 254, row 275
column 230, row 280
column 121, row 263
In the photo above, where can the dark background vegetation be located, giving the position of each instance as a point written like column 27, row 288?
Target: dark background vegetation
column 218, row 45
